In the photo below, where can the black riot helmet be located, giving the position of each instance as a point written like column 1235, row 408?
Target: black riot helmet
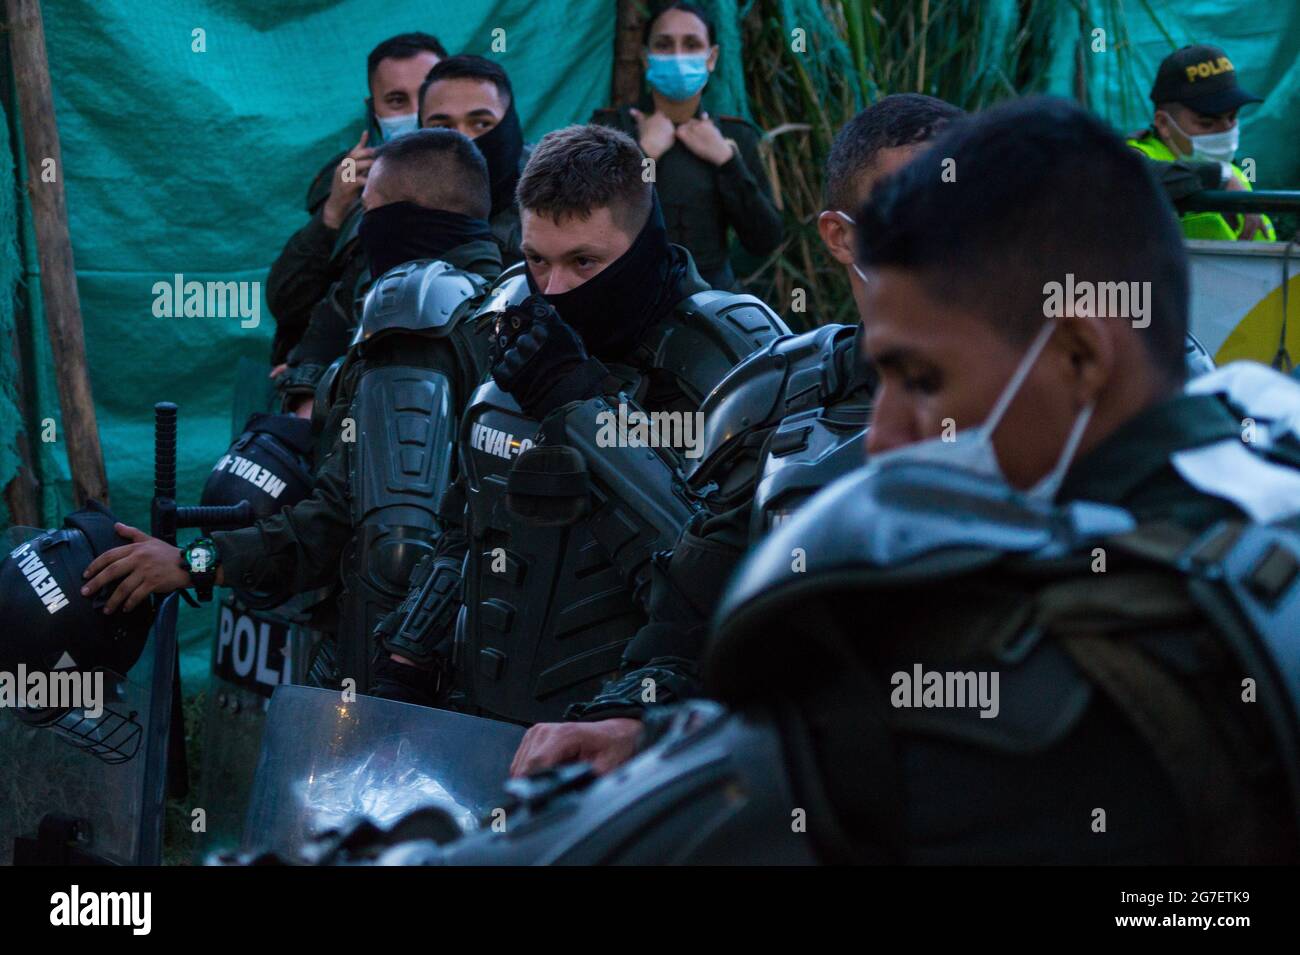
column 49, row 627
column 269, row 465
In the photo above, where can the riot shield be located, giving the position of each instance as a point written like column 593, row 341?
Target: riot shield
column 59, row 803
column 325, row 760
column 253, row 652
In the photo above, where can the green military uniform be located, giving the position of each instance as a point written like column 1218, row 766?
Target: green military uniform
column 299, row 549
column 1200, row 225
column 305, row 269
column 702, row 202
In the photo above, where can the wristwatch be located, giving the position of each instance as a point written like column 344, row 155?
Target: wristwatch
column 200, row 557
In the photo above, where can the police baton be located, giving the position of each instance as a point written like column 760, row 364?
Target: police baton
column 165, row 518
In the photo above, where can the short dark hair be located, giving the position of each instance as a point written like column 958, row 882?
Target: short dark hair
column 580, row 168
column 900, row 119
column 437, row 169
column 662, row 8
column 466, row 66
column 1009, row 200
column 403, row 47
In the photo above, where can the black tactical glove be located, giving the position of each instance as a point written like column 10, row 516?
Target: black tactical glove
column 540, row 360
column 404, row 683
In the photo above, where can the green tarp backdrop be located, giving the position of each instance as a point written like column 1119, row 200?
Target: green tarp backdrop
column 177, row 161
column 196, row 163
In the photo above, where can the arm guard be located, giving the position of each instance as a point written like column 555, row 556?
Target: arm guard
column 625, row 477
column 420, row 628
column 661, row 663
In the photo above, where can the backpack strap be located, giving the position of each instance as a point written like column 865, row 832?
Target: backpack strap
column 1127, row 630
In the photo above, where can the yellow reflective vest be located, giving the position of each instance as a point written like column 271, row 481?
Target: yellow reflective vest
column 1203, row 225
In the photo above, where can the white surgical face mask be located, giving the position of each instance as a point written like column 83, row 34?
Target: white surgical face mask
column 1213, row 147
column 394, row 126
column 972, row 448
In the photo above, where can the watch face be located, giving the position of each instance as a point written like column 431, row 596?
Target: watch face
column 201, row 557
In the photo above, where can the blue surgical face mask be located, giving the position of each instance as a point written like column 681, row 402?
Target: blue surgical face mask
column 393, row 126
column 972, row 449
column 679, row 76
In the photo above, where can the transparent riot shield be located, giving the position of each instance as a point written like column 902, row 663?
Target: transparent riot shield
column 90, row 790
column 325, row 760
column 253, row 652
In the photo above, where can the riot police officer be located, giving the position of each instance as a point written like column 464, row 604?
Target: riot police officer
column 530, row 607
column 1065, row 635
column 784, row 423
column 392, row 405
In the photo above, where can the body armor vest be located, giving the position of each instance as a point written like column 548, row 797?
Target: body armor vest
column 785, row 423
column 548, row 610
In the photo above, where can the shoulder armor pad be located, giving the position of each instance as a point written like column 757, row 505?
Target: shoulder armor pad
column 790, row 374
column 1258, row 576
column 709, row 333
column 326, row 392
column 1256, row 391
column 1260, row 475
column 907, row 522
column 420, row 296
column 510, row 288
column 1245, row 577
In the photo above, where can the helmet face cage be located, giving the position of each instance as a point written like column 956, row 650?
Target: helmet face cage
column 111, row 737
column 71, row 630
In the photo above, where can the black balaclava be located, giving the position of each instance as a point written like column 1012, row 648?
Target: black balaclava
column 612, row 309
column 501, row 146
column 404, row 232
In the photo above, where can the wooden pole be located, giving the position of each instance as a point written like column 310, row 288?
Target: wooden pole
column 22, row 494
column 627, row 54
column 54, row 249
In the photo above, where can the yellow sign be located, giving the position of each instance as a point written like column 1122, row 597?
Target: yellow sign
column 1237, row 299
